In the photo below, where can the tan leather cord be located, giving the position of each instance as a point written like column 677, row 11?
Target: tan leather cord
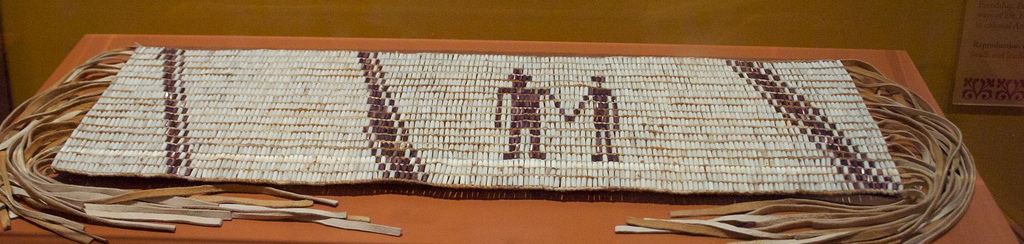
column 360, row 226
column 255, row 202
column 209, row 189
column 169, row 218
column 293, row 211
column 937, row 172
column 31, row 136
column 359, row 218
column 153, row 208
column 5, row 217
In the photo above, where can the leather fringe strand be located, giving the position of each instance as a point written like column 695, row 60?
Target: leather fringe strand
column 35, row 131
column 937, row 171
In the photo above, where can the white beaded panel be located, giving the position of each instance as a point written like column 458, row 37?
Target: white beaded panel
column 685, row 125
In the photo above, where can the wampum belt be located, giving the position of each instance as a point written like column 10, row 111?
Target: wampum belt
column 812, row 130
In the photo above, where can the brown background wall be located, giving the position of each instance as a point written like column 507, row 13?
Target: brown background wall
column 39, row 33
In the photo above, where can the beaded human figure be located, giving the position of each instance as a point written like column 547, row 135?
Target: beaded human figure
column 606, row 118
column 524, row 114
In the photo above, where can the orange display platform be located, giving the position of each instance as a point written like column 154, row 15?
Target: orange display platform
column 441, row 215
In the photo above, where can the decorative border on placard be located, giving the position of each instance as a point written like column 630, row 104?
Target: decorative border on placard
column 992, row 90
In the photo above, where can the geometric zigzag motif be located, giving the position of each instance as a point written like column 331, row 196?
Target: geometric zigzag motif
column 669, row 124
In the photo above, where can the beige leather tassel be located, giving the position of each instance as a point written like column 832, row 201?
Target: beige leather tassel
column 255, row 202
